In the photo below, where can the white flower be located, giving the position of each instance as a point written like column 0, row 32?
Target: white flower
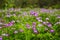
column 1, row 23
column 57, row 23
column 47, row 18
column 5, row 34
column 0, row 27
column 40, row 20
column 8, row 15
column 15, row 32
column 40, row 25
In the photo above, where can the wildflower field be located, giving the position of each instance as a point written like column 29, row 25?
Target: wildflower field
column 30, row 24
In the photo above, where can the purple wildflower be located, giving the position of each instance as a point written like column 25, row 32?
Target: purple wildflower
column 6, row 24
column 8, row 15
column 34, row 13
column 25, row 14
column 0, row 38
column 10, row 23
column 21, row 30
column 38, row 18
column 34, row 24
column 49, row 25
column 44, row 23
column 35, row 31
column 44, row 10
column 7, row 35
column 33, row 28
column 28, row 26
column 51, row 31
column 58, row 16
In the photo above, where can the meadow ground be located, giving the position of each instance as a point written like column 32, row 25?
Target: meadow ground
column 30, row 24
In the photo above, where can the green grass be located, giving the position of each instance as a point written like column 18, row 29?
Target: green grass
column 28, row 34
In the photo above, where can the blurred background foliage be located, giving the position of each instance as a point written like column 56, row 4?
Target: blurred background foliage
column 30, row 3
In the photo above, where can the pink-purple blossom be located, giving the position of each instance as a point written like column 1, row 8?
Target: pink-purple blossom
column 51, row 31
column 49, row 25
column 8, row 15
column 33, row 28
column 28, row 26
column 46, row 10
column 35, row 31
column 34, row 13
column 58, row 16
column 44, row 23
column 39, row 19
column 34, row 24
column 21, row 30
column 0, row 38
column 10, row 23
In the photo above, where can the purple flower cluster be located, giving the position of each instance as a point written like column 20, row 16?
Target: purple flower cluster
column 1, row 38
column 21, row 30
column 28, row 26
column 10, row 23
column 44, row 23
column 16, row 31
column 34, row 30
column 49, row 25
column 51, row 31
column 8, row 15
column 34, row 13
column 34, row 24
column 39, row 19
column 46, row 10
column 58, row 16
column 34, row 27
